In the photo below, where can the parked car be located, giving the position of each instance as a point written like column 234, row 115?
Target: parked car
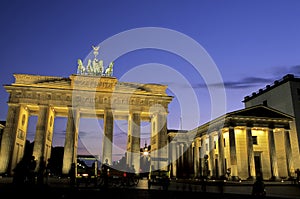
column 159, row 178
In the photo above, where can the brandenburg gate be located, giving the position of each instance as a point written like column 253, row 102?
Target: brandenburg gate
column 91, row 93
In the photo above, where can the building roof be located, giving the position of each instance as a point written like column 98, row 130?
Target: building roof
column 260, row 111
column 258, row 115
column 276, row 83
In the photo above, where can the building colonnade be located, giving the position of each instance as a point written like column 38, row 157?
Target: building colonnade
column 109, row 101
column 247, row 149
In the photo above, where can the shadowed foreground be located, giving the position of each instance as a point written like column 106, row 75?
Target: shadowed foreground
column 67, row 192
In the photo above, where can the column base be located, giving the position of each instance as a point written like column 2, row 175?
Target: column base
column 275, row 178
column 251, row 178
column 235, row 178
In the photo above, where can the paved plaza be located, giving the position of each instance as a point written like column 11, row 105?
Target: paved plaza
column 60, row 188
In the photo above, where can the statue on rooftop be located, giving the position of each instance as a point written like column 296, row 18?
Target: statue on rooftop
column 109, row 70
column 80, row 69
column 94, row 67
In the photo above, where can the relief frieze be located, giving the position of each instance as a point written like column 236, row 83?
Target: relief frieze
column 49, row 136
column 68, row 98
column 120, row 100
column 33, row 79
column 93, row 83
column 85, row 84
column 85, row 100
column 82, row 97
column 21, row 134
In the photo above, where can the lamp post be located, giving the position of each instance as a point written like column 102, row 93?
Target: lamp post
column 145, row 160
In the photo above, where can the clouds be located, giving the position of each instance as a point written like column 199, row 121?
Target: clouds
column 283, row 70
column 246, row 82
column 276, row 73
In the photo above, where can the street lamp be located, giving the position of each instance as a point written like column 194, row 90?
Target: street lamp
column 145, row 159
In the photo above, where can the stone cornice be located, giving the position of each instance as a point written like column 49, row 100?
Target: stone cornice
column 88, row 83
column 87, row 92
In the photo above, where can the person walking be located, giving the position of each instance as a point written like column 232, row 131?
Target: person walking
column 105, row 170
column 297, row 176
column 258, row 188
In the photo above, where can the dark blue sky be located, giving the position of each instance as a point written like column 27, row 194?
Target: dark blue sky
column 250, row 42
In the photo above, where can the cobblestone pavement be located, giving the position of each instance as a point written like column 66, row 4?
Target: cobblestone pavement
column 60, row 188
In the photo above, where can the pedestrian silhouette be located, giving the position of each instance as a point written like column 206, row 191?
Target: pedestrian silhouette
column 297, row 176
column 48, row 170
column 72, row 174
column 19, row 173
column 41, row 171
column 105, row 170
column 258, row 189
column 203, row 184
column 31, row 170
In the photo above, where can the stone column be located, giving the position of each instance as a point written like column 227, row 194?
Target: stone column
column 233, row 158
column 108, row 136
column 71, row 140
column 202, row 153
column 174, row 158
column 40, row 135
column 159, row 141
column 49, row 133
column 212, row 155
column 20, row 138
column 181, row 158
column 221, row 153
column 8, row 138
column 288, row 151
column 178, row 160
column 162, row 141
column 196, row 158
column 273, row 157
column 135, row 140
column 250, row 154
column 189, row 159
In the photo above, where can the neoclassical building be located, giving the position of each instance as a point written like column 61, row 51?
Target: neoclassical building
column 271, row 95
column 79, row 96
column 257, row 140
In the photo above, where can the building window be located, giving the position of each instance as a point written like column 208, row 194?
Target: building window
column 265, row 103
column 298, row 91
column 215, row 145
column 254, row 139
column 224, row 142
column 206, row 147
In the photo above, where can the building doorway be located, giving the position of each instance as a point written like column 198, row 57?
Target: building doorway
column 257, row 163
column 217, row 168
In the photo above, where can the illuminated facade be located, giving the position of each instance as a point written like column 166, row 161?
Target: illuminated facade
column 2, row 125
column 283, row 95
column 82, row 96
column 253, row 141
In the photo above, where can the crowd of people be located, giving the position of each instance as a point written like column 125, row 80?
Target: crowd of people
column 25, row 172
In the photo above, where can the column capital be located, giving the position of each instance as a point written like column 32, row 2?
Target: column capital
column 135, row 112
column 249, row 127
column 13, row 104
column 287, row 130
column 231, row 127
